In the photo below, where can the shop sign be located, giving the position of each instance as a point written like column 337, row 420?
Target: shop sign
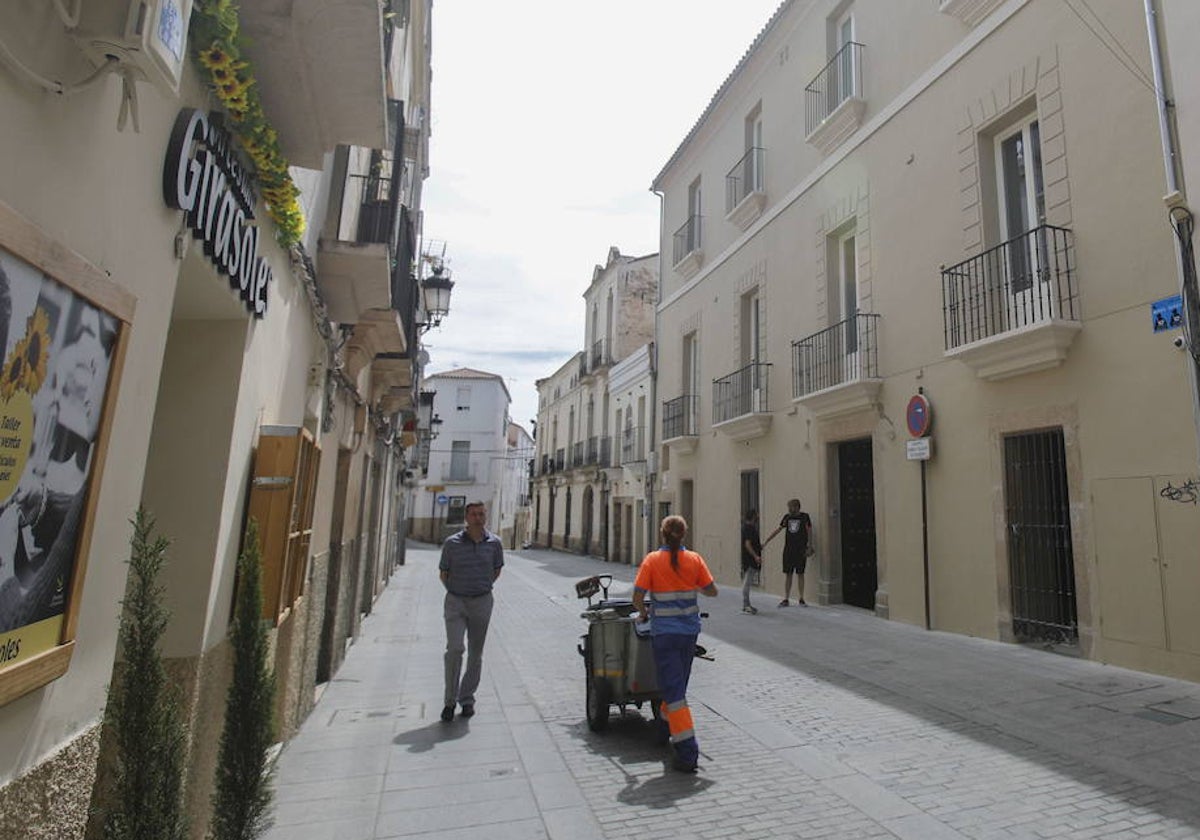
column 203, row 177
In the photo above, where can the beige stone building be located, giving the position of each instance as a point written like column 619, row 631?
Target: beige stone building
column 181, row 358
column 580, row 439
column 892, row 213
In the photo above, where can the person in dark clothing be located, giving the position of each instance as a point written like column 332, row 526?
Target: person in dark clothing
column 751, row 557
column 797, row 544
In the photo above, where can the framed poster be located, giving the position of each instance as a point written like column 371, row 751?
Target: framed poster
column 62, row 337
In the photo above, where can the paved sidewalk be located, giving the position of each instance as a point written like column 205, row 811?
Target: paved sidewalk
column 813, row 722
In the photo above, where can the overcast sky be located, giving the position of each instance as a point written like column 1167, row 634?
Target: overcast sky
column 550, row 120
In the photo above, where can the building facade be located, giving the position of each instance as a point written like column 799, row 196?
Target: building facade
column 578, row 430
column 513, row 508
column 631, row 476
column 909, row 271
column 468, row 461
column 213, row 335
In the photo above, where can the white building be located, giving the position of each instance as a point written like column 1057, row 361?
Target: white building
column 633, row 473
column 467, row 458
column 511, row 518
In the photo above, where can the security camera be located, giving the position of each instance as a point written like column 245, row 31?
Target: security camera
column 1179, row 342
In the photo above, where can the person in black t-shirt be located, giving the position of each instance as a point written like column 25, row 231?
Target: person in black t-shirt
column 797, row 542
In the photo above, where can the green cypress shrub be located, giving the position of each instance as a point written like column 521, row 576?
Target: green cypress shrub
column 242, row 798
column 143, row 708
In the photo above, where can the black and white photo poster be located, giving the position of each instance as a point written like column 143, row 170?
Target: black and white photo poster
column 57, row 349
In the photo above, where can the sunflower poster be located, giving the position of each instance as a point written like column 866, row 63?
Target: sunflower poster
column 57, row 349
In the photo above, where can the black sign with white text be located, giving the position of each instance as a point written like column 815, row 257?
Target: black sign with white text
column 203, row 177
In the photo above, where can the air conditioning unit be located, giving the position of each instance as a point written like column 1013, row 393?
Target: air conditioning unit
column 149, row 36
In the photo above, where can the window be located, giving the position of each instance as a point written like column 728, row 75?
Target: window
column 456, row 510
column 691, row 364
column 752, row 164
column 844, row 37
column 1022, row 199
column 753, row 349
column 463, row 400
column 694, row 207
column 282, row 497
column 460, row 460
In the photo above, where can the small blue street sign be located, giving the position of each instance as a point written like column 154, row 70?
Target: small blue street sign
column 1167, row 314
column 442, row 498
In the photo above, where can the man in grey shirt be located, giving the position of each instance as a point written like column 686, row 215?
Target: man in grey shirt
column 471, row 562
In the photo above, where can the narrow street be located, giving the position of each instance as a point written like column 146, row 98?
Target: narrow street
column 813, row 722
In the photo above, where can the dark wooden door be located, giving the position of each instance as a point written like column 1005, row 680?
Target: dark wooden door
column 856, row 481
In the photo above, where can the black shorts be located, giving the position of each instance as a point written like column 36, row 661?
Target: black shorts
column 794, row 563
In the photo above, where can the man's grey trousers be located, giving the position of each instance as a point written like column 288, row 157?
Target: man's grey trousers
column 469, row 617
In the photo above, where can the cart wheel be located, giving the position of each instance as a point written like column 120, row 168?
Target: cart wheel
column 598, row 700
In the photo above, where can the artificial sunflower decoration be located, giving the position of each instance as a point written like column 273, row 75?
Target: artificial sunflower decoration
column 37, row 350
column 14, row 372
column 217, row 39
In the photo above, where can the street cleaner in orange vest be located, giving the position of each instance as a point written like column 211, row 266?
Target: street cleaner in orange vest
column 672, row 577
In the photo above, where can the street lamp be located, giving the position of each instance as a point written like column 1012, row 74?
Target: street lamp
column 435, row 295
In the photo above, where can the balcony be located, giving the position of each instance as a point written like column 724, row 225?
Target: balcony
column 745, row 193
column 560, row 460
column 592, row 456
column 577, row 454
column 362, row 234
column 455, row 474
column 605, row 452
column 632, row 447
column 1013, row 309
column 970, row 12
column 320, row 73
column 836, row 371
column 547, row 465
column 741, row 402
column 833, row 101
column 679, row 424
column 687, row 247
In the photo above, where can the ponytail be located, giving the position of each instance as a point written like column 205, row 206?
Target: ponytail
column 674, row 529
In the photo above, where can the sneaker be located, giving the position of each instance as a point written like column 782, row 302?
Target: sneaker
column 468, row 710
column 749, row 610
column 447, row 714
column 801, row 602
column 784, row 602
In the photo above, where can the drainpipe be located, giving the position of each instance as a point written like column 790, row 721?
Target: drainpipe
column 1180, row 213
column 651, row 477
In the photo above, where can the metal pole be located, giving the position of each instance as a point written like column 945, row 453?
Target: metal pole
column 925, row 546
column 1176, row 196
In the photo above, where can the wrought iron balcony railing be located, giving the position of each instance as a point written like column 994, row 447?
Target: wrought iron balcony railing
column 841, row 79
column 560, row 460
column 845, row 352
column 1027, row 280
column 593, row 450
column 577, row 454
column 742, row 392
column 687, row 239
column 680, row 416
column 598, row 358
column 745, row 178
column 605, row 451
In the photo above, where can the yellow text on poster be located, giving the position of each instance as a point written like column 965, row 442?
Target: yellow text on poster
column 27, row 642
column 16, row 437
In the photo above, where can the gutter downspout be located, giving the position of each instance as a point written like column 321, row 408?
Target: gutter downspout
column 1180, row 215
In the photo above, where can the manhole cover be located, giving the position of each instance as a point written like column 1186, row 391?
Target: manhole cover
column 1187, row 708
column 1159, row 717
column 1110, row 686
column 344, row 716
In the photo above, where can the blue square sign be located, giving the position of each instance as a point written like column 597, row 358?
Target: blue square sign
column 1167, row 314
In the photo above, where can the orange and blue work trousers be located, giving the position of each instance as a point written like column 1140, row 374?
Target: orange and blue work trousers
column 673, row 655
